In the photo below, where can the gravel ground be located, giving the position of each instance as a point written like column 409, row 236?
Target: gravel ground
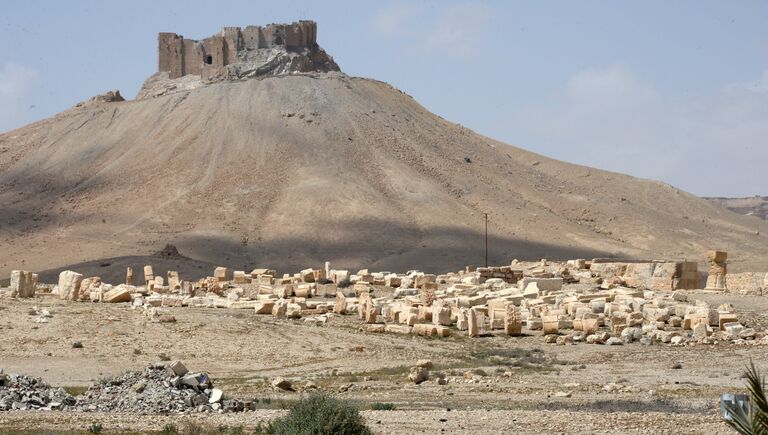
column 496, row 384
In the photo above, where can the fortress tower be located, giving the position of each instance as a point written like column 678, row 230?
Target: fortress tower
column 179, row 56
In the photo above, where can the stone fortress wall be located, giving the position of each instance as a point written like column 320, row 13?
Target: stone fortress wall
column 180, row 56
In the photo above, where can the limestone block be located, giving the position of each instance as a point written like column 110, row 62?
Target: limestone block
column 320, row 275
column 264, row 306
column 129, row 275
column 442, row 331
column 23, row 284
column 727, row 318
column 69, row 284
column 376, row 328
column 473, row 323
column 340, row 306
column 513, row 322
column 149, row 276
column 293, row 311
column 307, row 275
column 304, row 290
column 716, row 280
column 412, row 316
column 441, row 313
column 550, row 325
column 118, row 294
column 284, row 291
column 280, row 308
column 392, row 280
column 370, row 312
column 398, row 329
column 589, row 326
column 544, row 285
column 341, row 277
column 238, row 277
column 425, row 329
column 221, row 274
column 462, row 320
column 423, row 281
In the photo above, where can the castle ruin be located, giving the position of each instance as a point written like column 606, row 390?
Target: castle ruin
column 208, row 58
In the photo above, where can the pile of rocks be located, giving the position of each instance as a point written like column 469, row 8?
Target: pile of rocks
column 165, row 387
column 20, row 392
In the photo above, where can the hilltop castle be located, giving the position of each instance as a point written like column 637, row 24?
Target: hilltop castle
column 208, row 58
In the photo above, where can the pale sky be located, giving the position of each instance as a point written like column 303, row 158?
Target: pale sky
column 674, row 91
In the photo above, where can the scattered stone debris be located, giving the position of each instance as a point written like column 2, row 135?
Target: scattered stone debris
column 20, row 392
column 598, row 301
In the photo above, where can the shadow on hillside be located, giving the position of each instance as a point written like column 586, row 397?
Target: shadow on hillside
column 388, row 246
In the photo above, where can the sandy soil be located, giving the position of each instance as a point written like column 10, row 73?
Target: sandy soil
column 497, row 384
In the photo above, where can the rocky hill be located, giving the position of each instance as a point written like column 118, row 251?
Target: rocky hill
column 291, row 170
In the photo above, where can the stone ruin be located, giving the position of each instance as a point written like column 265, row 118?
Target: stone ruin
column 717, row 270
column 601, row 301
column 236, row 53
column 179, row 56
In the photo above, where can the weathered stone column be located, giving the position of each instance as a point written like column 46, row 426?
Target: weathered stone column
column 717, row 270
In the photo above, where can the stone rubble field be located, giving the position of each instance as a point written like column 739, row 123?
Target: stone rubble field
column 578, row 346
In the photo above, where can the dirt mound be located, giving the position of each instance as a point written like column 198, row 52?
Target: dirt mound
column 287, row 172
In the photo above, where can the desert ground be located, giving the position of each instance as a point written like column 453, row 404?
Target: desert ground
column 306, row 166
column 496, row 384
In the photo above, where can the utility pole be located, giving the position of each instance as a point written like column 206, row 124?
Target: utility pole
column 486, row 239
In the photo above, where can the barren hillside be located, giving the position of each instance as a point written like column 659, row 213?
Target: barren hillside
column 291, row 171
column 750, row 206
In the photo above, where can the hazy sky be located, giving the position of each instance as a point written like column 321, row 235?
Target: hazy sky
column 675, row 91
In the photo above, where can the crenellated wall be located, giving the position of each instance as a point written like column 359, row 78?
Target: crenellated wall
column 179, row 56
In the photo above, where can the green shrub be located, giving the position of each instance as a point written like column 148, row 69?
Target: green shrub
column 169, row 429
column 753, row 419
column 378, row 406
column 95, row 428
column 319, row 414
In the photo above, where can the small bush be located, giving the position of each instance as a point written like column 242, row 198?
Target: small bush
column 235, row 430
column 95, row 428
column 169, row 429
column 378, row 406
column 193, row 427
column 319, row 414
